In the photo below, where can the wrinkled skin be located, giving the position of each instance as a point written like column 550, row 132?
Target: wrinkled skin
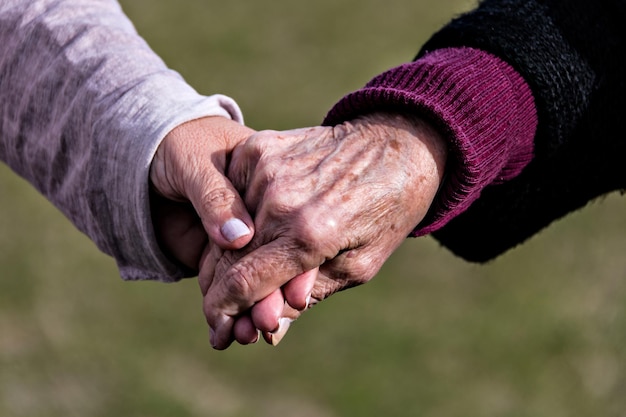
column 191, row 196
column 330, row 206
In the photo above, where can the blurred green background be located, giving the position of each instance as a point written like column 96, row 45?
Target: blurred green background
column 539, row 332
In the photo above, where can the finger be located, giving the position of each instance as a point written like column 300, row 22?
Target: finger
column 246, row 157
column 254, row 277
column 275, row 337
column 178, row 230
column 244, row 331
column 297, row 292
column 209, row 259
column 266, row 313
column 244, row 161
column 221, row 209
column 357, row 266
column 288, row 316
column 190, row 164
column 225, row 337
column 323, row 288
column 273, row 317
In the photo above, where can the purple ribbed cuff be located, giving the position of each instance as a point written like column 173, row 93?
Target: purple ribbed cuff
column 483, row 107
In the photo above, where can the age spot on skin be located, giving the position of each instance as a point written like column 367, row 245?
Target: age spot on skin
column 395, row 145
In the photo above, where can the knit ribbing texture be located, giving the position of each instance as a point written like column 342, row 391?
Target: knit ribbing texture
column 481, row 105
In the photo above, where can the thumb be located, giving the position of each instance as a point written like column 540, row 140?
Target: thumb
column 190, row 165
column 221, row 210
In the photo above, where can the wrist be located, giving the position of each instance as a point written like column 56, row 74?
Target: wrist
column 480, row 103
column 423, row 153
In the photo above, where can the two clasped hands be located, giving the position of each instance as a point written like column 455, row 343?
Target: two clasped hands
column 274, row 222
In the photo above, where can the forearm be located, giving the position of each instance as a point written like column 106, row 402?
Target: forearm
column 85, row 103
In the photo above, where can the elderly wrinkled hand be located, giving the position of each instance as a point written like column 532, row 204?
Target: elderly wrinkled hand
column 330, row 205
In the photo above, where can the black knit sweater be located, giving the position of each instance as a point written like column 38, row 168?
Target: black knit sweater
column 572, row 55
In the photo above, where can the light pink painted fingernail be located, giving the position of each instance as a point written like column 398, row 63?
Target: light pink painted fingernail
column 233, row 229
column 283, row 326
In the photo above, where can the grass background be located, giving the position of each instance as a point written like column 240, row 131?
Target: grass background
column 539, row 332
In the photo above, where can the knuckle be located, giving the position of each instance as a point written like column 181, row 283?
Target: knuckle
column 218, row 197
column 240, row 282
column 314, row 236
column 358, row 270
column 320, row 233
column 223, row 263
column 314, row 243
column 280, row 202
column 260, row 140
column 252, row 145
column 323, row 288
column 232, row 291
column 362, row 269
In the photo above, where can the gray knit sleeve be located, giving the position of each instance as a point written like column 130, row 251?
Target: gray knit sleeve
column 84, row 104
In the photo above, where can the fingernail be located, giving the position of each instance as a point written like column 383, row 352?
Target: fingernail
column 308, row 301
column 233, row 229
column 283, row 326
column 258, row 336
